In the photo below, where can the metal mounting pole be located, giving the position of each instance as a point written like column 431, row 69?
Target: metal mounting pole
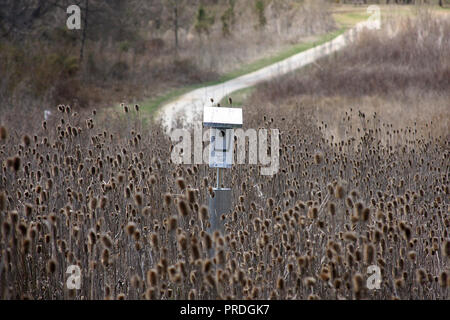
column 219, row 204
column 221, row 121
column 219, row 178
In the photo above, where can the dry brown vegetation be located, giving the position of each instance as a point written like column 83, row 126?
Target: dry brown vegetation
column 401, row 72
column 129, row 51
column 106, row 197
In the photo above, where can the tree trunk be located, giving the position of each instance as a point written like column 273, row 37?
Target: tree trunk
column 175, row 25
column 83, row 37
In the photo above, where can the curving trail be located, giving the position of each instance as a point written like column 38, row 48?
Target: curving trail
column 188, row 107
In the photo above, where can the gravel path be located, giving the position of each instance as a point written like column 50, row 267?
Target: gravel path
column 188, row 107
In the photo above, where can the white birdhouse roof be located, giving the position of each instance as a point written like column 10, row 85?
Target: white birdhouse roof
column 220, row 117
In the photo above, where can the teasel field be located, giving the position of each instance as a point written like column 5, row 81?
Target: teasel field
column 358, row 185
column 106, row 197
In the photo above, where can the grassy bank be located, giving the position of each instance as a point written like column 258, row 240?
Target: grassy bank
column 151, row 105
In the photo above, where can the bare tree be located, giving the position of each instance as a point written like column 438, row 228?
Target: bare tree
column 175, row 6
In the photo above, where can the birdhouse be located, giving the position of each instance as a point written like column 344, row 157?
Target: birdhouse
column 221, row 121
